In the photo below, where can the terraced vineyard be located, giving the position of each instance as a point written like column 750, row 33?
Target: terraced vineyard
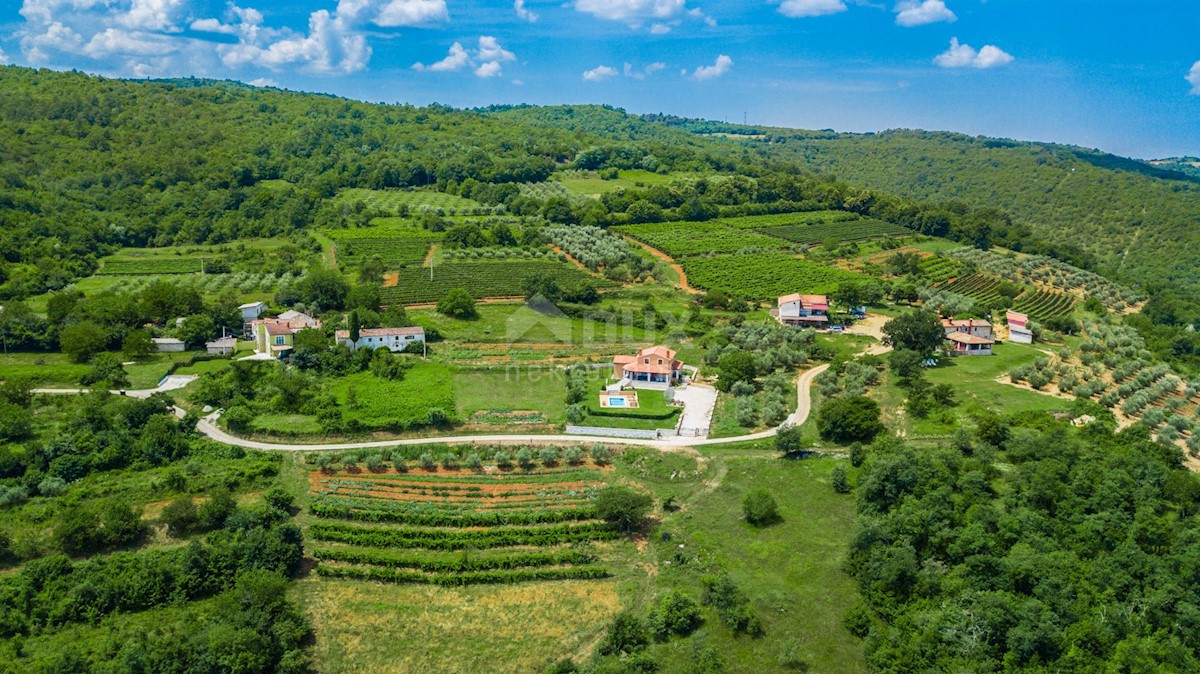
column 453, row 527
column 938, row 269
column 395, row 245
column 681, row 239
column 482, row 279
column 415, row 200
column 764, row 276
column 1045, row 304
column 981, row 288
column 788, row 219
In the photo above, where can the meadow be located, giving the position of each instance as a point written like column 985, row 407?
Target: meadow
column 383, row 404
column 483, row 279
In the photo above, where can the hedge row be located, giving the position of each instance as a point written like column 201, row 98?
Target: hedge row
column 429, row 517
column 461, row 565
column 459, row 579
column 459, row 540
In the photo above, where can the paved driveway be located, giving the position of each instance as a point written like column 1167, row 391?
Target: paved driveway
column 698, row 404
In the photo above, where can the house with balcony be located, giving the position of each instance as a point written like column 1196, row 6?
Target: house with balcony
column 652, row 368
column 393, row 339
column 809, row 311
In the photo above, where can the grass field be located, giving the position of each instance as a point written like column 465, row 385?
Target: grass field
column 397, row 405
column 415, row 200
column 42, row 369
column 791, row 571
column 515, row 323
column 975, row 379
column 590, row 183
column 483, row 279
column 541, row 390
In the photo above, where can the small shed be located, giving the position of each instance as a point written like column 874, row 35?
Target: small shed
column 168, row 344
column 222, row 347
column 252, row 310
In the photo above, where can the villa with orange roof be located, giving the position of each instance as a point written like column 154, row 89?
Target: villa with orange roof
column 655, row 367
column 969, row 337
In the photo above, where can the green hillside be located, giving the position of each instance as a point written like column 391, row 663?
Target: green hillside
column 1122, row 212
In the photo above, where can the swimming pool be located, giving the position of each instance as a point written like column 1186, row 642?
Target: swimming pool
column 614, row 401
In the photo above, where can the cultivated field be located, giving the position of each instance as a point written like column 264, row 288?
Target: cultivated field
column 764, row 275
column 482, row 279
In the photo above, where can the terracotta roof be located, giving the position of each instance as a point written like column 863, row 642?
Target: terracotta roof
column 656, row 351
column 381, row 332
column 650, row 368
column 964, row 338
column 623, row 360
column 966, row 323
column 818, row 301
column 279, row 329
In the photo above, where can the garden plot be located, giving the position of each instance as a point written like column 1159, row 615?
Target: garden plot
column 483, row 279
column 408, row 515
column 764, row 276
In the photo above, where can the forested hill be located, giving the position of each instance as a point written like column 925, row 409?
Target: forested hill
column 1136, row 219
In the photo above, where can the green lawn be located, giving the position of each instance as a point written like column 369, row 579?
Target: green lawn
column 629, row 179
column 515, row 323
column 510, row 389
column 791, row 571
column 48, row 370
column 384, row 404
column 286, row 424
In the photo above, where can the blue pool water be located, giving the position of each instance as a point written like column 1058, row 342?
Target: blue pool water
column 616, row 402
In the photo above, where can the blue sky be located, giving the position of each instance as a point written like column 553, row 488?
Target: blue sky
column 1121, row 76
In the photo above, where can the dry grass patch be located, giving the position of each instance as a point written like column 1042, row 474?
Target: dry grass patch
column 383, row 628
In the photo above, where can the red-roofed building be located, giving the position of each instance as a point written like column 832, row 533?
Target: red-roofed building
column 275, row 335
column 964, row 344
column 803, row 310
column 971, row 326
column 1019, row 331
column 655, row 367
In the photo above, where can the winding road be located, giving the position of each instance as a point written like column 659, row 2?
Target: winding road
column 208, row 426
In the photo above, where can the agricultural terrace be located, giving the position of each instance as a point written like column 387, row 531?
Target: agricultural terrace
column 682, row 239
column 985, row 289
column 395, row 245
column 764, row 276
column 414, row 201
column 1046, row 271
column 939, row 269
column 458, row 517
column 483, row 279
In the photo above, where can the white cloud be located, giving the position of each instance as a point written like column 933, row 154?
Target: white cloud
column 525, row 14
column 3, row 58
column 489, row 69
column 409, row 12
column 920, row 12
column 1193, row 78
column 147, row 37
column 721, row 66
column 803, row 8
column 263, row 82
column 490, row 50
column 660, row 15
column 631, row 11
column 965, row 56
column 457, row 59
column 601, row 73
column 644, row 72
column 485, row 60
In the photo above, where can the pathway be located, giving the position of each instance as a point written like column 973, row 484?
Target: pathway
column 169, row 383
column 208, row 426
column 683, row 280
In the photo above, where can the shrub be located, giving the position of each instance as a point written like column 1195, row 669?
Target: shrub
column 525, row 459
column 849, row 419
column 400, row 464
column 840, row 483
column 375, row 463
column 213, row 512
column 790, row 440
column 675, row 614
column 548, row 456
column 760, row 508
column 601, row 454
column 450, row 461
column 279, row 499
column 625, row 634
column 180, row 516
column 731, row 604
column 622, row 507
column 475, row 462
column 857, row 621
column 428, row 463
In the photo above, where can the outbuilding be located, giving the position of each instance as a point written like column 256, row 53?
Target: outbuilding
column 168, row 344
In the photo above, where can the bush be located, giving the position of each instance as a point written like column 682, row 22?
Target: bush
column 790, row 440
column 428, row 463
column 840, row 483
column 731, row 604
column 475, row 462
column 625, row 634
column 180, row 517
column 675, row 615
column 759, row 508
column 857, row 621
column 213, row 512
column 279, row 499
column 849, row 419
column 601, row 455
column 457, row 303
column 525, row 459
column 622, row 507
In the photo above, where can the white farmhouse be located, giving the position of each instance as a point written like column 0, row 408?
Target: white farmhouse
column 395, row 339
